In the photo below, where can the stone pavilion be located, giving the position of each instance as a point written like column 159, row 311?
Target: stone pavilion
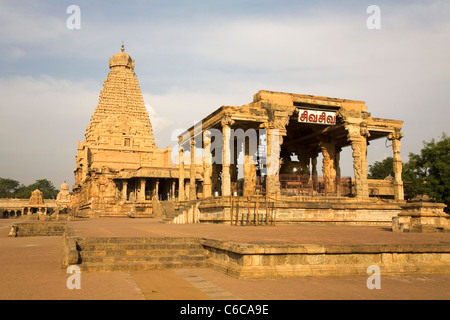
column 250, row 164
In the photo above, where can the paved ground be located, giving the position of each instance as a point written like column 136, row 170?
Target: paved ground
column 30, row 268
column 288, row 234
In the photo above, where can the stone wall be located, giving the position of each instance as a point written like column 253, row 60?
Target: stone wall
column 422, row 217
column 14, row 207
column 282, row 261
column 290, row 210
column 38, row 229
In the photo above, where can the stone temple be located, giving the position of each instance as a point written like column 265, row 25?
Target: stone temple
column 119, row 169
column 255, row 164
column 250, row 164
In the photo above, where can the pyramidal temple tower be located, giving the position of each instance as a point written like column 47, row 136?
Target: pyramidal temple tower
column 121, row 117
column 119, row 168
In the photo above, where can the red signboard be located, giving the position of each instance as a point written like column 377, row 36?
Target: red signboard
column 317, row 116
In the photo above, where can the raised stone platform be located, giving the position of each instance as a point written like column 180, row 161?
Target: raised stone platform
column 275, row 261
column 253, row 261
column 280, row 251
column 422, row 217
column 38, row 229
column 287, row 210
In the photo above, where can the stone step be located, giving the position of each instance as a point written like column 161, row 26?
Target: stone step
column 39, row 234
column 179, row 210
column 167, row 207
column 139, row 266
column 137, row 240
column 137, row 246
column 148, row 258
column 38, row 229
column 117, row 253
column 133, row 254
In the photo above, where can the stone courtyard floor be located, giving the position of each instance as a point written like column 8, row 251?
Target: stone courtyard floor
column 30, row 268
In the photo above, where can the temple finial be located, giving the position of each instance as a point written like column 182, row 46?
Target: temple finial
column 123, row 48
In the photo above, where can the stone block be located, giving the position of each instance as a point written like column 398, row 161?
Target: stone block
column 421, row 217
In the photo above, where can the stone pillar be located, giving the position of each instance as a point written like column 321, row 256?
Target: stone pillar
column 233, row 165
column 173, row 190
column 142, row 190
column 207, row 165
column 187, row 187
column 181, row 174
column 124, row 190
column 395, row 137
column 157, row 189
column 358, row 139
column 329, row 167
column 357, row 167
column 193, row 167
column 274, row 140
column 249, row 169
column 364, row 167
column 338, row 170
column 226, row 177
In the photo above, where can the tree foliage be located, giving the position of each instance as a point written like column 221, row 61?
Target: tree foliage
column 381, row 169
column 13, row 189
column 8, row 187
column 429, row 171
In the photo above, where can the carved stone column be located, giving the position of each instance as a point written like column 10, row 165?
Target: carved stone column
column 181, row 176
column 187, row 187
column 356, row 154
column 207, row 165
column 357, row 135
column 328, row 166
column 274, row 140
column 364, row 167
column 172, row 197
column 395, row 137
column 227, row 122
column 193, row 167
column 124, row 190
column 234, row 149
column 338, row 170
column 142, row 190
column 249, row 170
column 157, row 189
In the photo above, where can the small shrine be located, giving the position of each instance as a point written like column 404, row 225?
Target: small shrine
column 35, row 205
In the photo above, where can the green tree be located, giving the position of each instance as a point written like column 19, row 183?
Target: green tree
column 45, row 186
column 8, row 187
column 429, row 171
column 381, row 169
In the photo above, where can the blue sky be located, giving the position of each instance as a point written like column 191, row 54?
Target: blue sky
column 195, row 56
